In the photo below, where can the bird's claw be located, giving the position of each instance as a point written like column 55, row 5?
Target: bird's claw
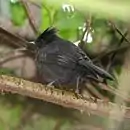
column 77, row 94
column 50, row 85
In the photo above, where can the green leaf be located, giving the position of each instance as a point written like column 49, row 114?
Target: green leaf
column 7, row 71
column 47, row 17
column 66, row 20
column 68, row 23
column 10, row 116
column 18, row 13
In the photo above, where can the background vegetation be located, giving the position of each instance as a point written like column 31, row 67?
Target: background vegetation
column 101, row 26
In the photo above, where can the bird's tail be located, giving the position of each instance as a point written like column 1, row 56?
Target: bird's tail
column 96, row 70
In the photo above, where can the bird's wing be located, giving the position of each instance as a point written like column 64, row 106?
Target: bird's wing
column 85, row 61
column 67, row 61
column 82, row 54
column 56, row 55
column 100, row 72
column 69, row 54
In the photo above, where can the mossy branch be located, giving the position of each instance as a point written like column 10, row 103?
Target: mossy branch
column 59, row 97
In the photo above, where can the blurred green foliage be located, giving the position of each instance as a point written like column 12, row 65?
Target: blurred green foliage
column 105, row 8
column 10, row 116
column 66, row 22
column 7, row 71
column 12, row 109
column 18, row 14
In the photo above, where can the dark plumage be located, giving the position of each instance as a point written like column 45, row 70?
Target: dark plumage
column 62, row 63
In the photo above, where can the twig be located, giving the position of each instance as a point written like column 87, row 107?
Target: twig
column 114, row 92
column 45, row 7
column 86, row 32
column 94, row 92
column 110, row 51
column 11, row 56
column 82, row 41
column 58, row 124
column 114, row 54
column 115, row 50
column 119, row 44
column 124, row 81
column 25, row 117
column 34, row 3
column 12, row 39
column 30, row 19
column 114, row 26
column 60, row 97
column 16, row 41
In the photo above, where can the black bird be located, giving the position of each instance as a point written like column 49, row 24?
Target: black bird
column 60, row 62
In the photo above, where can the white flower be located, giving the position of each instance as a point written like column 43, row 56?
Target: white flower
column 67, row 7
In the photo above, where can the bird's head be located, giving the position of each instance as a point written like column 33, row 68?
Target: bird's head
column 46, row 37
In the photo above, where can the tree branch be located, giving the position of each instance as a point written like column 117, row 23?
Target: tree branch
column 11, row 39
column 60, row 97
column 30, row 18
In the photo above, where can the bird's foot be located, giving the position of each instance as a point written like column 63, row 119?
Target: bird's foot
column 50, row 85
column 77, row 94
